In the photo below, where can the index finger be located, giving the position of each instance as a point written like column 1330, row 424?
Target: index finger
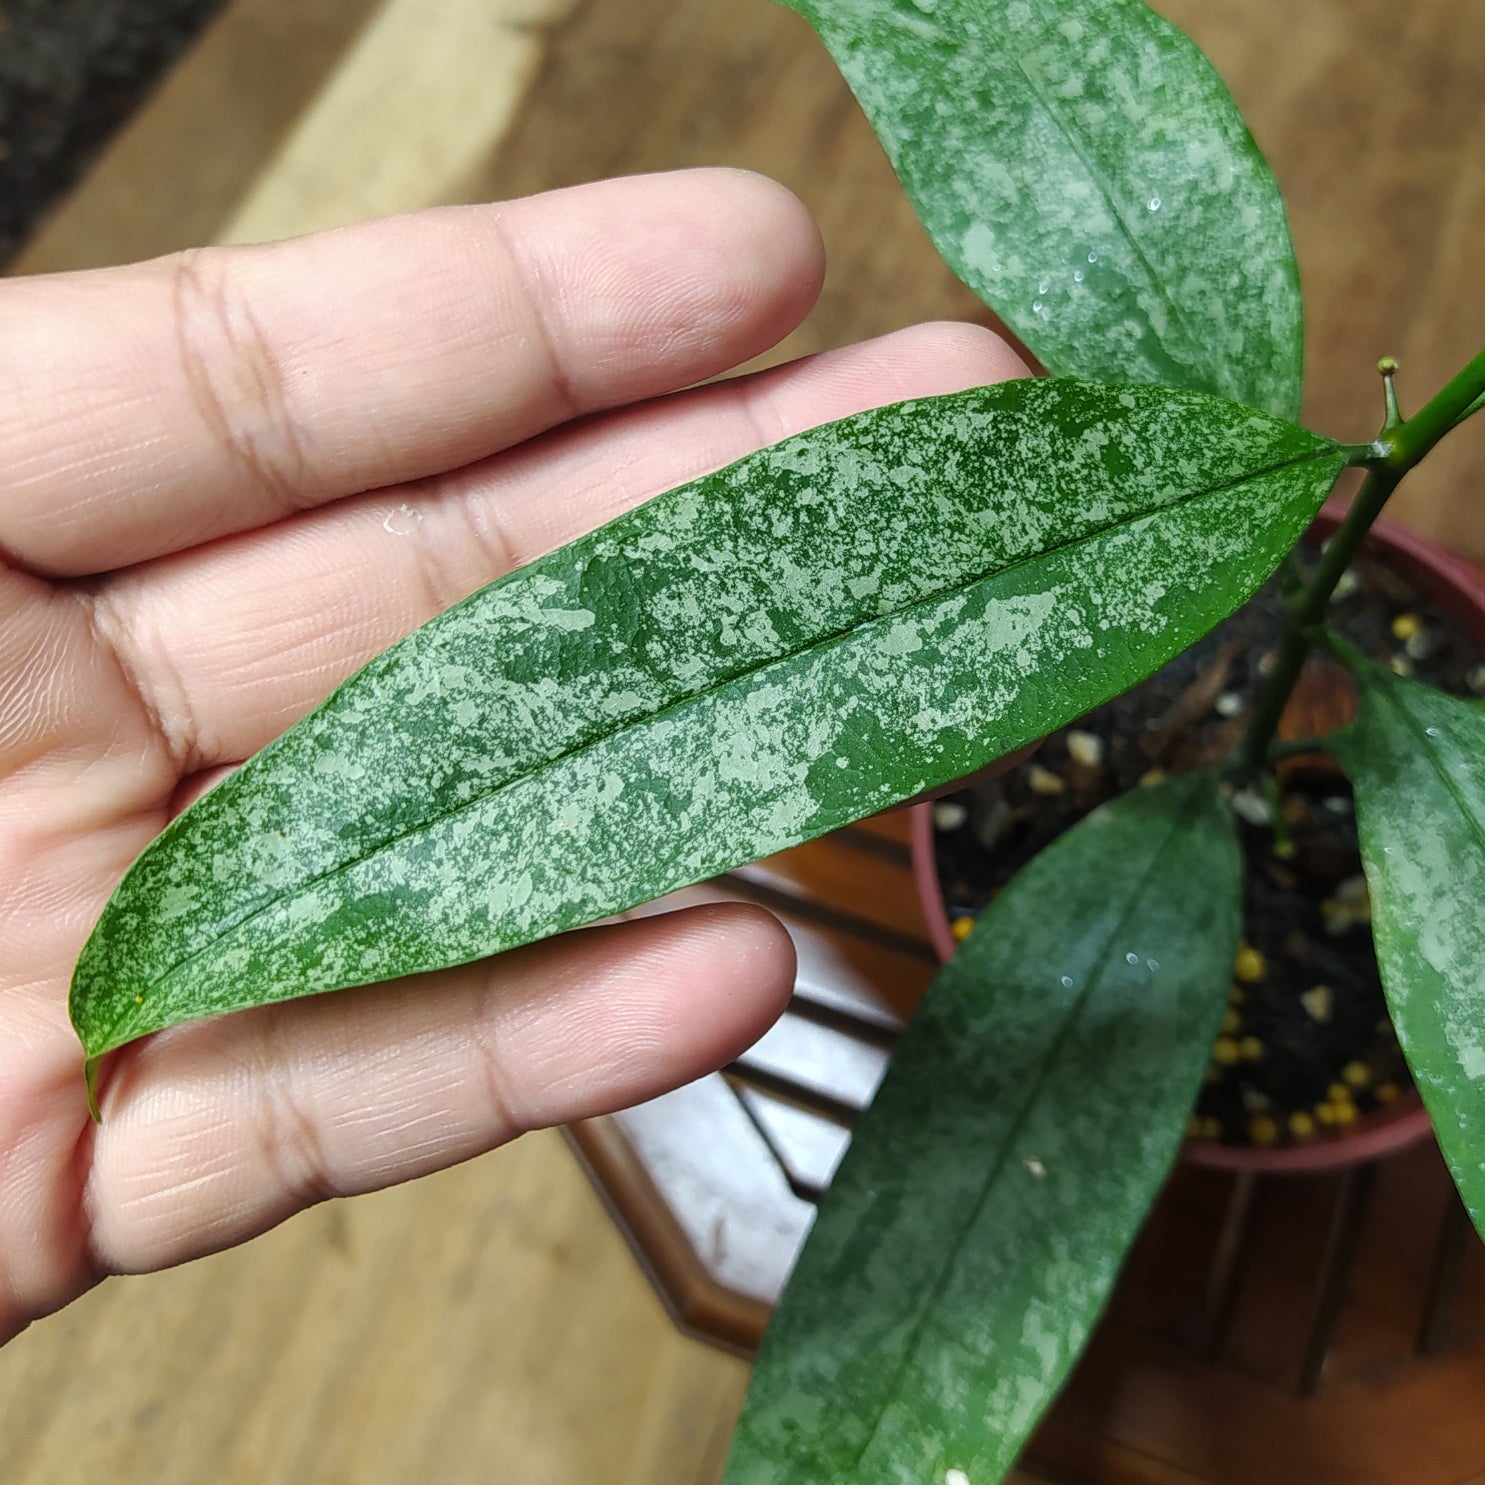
column 147, row 409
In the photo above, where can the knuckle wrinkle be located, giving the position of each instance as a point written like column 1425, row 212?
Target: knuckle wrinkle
column 234, row 377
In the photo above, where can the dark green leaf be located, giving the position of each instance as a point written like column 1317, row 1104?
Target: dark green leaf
column 1027, row 1120
column 1083, row 169
column 1417, row 760
column 818, row 631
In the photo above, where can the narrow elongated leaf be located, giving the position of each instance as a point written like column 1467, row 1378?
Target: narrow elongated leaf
column 793, row 642
column 1083, row 169
column 1026, row 1122
column 1416, row 758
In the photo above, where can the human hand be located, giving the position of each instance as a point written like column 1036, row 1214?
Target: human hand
column 229, row 479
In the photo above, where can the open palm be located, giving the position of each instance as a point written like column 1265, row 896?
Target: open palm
column 229, row 478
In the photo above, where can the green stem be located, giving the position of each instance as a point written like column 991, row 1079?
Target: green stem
column 1478, row 405
column 1400, row 447
column 1308, row 609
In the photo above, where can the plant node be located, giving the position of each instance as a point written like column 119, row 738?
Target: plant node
column 1388, row 368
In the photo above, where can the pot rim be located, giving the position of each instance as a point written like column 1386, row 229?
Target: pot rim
column 1459, row 588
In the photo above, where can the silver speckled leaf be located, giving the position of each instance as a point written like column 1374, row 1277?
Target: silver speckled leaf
column 1084, row 170
column 1416, row 758
column 816, row 632
column 1028, row 1117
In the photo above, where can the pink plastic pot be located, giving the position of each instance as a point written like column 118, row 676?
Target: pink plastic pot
column 1456, row 587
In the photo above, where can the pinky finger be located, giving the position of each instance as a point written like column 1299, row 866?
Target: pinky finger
column 215, row 1131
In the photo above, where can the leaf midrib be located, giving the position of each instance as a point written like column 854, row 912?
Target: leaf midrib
column 390, row 842
column 1193, row 347
column 1023, row 1113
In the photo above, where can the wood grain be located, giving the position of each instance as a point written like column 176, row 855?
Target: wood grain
column 179, row 170
column 484, row 1325
column 420, row 96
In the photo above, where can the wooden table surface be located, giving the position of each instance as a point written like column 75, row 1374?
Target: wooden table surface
column 488, row 1324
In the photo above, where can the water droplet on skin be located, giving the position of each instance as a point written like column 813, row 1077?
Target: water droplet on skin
column 1131, row 957
column 1078, row 276
column 1154, row 203
column 402, row 521
column 1067, row 982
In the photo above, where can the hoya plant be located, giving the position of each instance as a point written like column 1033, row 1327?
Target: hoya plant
column 868, row 611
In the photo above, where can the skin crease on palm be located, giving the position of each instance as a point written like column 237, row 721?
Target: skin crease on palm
column 231, row 477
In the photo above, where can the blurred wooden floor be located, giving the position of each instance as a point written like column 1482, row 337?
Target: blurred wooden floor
column 488, row 1325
